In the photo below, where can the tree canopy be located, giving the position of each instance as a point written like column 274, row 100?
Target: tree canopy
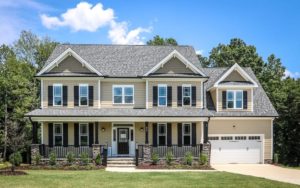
column 159, row 41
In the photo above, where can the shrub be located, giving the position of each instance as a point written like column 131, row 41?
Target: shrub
column 98, row 159
column 84, row 158
column 52, row 159
column 37, row 158
column 169, row 158
column 188, row 158
column 70, row 157
column 276, row 158
column 154, row 158
column 15, row 159
column 203, row 159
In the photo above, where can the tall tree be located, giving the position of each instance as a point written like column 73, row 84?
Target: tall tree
column 159, row 41
column 43, row 51
column 237, row 51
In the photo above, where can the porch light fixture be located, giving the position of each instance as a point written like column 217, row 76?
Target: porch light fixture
column 142, row 129
column 103, row 129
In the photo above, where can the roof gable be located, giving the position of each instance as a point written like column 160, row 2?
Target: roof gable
column 181, row 58
column 69, row 65
column 174, row 66
column 237, row 74
column 62, row 57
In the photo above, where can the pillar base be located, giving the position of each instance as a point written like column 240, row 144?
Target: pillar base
column 35, row 150
column 96, row 150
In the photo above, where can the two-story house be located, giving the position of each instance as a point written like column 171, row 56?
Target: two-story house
column 127, row 97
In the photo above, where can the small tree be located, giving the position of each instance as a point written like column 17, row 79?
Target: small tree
column 98, row 159
column 203, row 159
column 52, row 159
column 70, row 157
column 169, row 157
column 154, row 158
column 188, row 158
column 16, row 140
column 84, row 158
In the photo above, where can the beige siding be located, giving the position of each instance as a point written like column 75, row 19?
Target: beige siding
column 245, row 127
column 70, row 64
column 70, row 84
column 234, row 76
column 106, row 135
column 107, row 95
column 139, row 135
column 174, row 91
column 174, row 66
column 249, row 95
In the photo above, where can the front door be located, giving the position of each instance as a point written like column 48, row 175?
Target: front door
column 123, row 141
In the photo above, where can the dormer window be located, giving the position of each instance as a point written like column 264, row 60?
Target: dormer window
column 234, row 99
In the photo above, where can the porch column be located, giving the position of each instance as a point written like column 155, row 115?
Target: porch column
column 96, row 133
column 35, row 147
column 146, row 133
column 205, row 131
column 34, row 132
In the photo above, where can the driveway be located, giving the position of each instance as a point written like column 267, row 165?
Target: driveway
column 263, row 170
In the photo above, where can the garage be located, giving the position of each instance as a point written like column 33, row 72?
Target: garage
column 242, row 149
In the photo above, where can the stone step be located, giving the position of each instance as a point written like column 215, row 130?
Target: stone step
column 120, row 165
column 120, row 158
column 120, row 162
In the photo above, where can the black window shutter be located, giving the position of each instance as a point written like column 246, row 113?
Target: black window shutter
column 224, row 98
column 169, row 134
column 205, row 131
column 50, row 95
column 91, row 134
column 179, row 131
column 91, row 96
column 194, row 134
column 76, row 134
column 245, row 100
column 179, row 96
column 154, row 133
column 65, row 136
column 154, row 95
column 76, row 96
column 50, row 134
column 169, row 95
column 65, row 95
column 194, row 96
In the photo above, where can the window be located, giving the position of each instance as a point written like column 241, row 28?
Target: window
column 123, row 94
column 213, row 138
column 240, row 138
column 162, row 95
column 83, row 134
column 58, row 134
column 83, row 94
column 186, row 94
column 235, row 99
column 57, row 94
column 226, row 138
column 254, row 137
column 186, row 134
column 162, row 134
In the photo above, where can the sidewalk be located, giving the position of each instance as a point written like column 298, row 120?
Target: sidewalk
column 133, row 169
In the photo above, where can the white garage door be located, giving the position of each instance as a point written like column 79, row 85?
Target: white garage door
column 236, row 149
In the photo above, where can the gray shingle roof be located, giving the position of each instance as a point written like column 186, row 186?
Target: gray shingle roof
column 124, row 60
column 120, row 112
column 262, row 104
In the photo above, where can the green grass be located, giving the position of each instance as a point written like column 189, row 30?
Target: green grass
column 100, row 178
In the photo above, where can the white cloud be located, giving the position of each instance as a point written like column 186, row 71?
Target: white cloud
column 288, row 73
column 119, row 34
column 84, row 16
column 87, row 17
column 199, row 52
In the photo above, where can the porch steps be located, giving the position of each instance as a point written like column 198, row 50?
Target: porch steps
column 121, row 162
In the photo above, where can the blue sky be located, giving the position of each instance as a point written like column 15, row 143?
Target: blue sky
column 272, row 26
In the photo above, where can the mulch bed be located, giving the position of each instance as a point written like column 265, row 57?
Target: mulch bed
column 10, row 173
column 175, row 167
column 57, row 167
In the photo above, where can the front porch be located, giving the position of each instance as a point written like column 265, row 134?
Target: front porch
column 119, row 139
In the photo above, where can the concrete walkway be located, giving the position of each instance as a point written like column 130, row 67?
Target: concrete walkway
column 263, row 170
column 123, row 169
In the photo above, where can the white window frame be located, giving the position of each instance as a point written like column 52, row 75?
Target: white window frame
column 87, row 134
column 61, row 135
column 158, row 96
column 190, row 86
column 123, row 93
column 183, row 134
column 79, row 102
column 158, row 134
column 234, row 99
column 61, row 95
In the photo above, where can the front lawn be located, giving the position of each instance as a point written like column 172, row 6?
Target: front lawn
column 100, row 178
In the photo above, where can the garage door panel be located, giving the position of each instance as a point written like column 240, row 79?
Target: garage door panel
column 236, row 151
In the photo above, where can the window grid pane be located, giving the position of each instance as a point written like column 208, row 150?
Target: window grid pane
column 123, row 95
column 57, row 95
column 162, row 95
